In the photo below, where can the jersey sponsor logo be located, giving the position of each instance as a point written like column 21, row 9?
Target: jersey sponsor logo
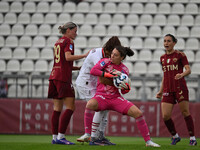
column 170, row 68
column 71, row 47
column 102, row 63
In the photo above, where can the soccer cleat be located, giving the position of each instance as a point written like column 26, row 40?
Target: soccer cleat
column 150, row 143
column 193, row 142
column 175, row 140
column 64, row 141
column 106, row 141
column 84, row 138
column 95, row 141
column 53, row 142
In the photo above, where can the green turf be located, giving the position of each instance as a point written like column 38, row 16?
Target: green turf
column 43, row 142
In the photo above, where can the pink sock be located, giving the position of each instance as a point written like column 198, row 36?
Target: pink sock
column 88, row 116
column 142, row 126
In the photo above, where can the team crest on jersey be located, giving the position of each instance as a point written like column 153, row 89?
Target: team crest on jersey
column 175, row 59
column 71, row 47
column 102, row 63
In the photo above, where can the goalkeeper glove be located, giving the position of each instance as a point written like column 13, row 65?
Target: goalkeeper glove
column 125, row 90
column 109, row 75
column 116, row 72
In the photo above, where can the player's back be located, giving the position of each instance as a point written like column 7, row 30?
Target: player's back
column 84, row 75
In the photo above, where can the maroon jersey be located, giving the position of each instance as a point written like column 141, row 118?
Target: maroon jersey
column 173, row 64
column 62, row 69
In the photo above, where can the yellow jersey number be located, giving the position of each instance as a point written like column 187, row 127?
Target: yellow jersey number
column 57, row 53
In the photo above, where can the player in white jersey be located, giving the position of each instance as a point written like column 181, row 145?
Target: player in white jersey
column 86, row 87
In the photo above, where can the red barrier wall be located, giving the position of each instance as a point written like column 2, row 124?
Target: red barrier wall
column 33, row 116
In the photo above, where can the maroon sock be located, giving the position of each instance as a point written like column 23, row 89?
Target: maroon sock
column 65, row 118
column 170, row 126
column 190, row 125
column 55, row 122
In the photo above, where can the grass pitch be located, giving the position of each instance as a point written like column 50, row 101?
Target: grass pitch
column 43, row 142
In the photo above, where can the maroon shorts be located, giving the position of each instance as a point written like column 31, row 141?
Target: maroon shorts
column 59, row 89
column 175, row 97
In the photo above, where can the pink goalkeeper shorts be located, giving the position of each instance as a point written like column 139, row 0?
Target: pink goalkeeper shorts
column 112, row 102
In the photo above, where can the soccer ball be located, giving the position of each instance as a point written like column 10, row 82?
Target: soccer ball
column 122, row 78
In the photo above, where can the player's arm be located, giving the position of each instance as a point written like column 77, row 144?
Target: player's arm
column 160, row 92
column 185, row 73
column 106, row 81
column 76, row 68
column 97, row 70
column 70, row 57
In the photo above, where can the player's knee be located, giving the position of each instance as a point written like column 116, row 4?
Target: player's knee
column 185, row 113
column 166, row 117
column 91, row 105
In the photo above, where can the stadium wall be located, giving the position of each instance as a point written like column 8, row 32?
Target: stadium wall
column 33, row 116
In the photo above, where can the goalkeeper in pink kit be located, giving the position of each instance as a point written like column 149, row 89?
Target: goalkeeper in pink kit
column 108, row 97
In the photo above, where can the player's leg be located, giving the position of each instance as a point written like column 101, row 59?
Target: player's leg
column 86, row 93
column 65, row 119
column 93, row 104
column 169, row 123
column 88, row 116
column 136, row 113
column 66, row 91
column 103, row 124
column 58, row 105
column 102, row 127
column 184, row 107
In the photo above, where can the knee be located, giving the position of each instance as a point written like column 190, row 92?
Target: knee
column 135, row 113
column 91, row 105
column 166, row 117
column 185, row 113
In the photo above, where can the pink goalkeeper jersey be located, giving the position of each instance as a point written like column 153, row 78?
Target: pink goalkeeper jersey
column 106, row 65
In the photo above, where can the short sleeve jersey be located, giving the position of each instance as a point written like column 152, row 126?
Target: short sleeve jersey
column 173, row 64
column 62, row 69
column 106, row 65
column 84, row 75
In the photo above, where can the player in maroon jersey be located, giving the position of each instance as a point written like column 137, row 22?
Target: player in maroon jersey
column 60, row 82
column 174, row 89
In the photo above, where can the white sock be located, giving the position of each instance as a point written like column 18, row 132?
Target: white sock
column 60, row 136
column 95, row 123
column 104, row 121
column 192, row 138
column 54, row 136
column 176, row 135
